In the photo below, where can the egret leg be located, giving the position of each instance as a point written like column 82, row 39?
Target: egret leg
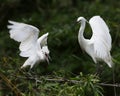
column 98, row 69
column 113, row 73
column 31, row 73
column 30, row 70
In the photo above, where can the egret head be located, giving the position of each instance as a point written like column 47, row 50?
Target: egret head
column 44, row 56
column 46, row 53
column 80, row 19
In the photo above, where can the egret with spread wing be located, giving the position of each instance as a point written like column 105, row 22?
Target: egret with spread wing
column 99, row 46
column 31, row 46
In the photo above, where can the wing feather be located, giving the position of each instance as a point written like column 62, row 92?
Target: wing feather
column 26, row 34
column 101, row 37
column 43, row 42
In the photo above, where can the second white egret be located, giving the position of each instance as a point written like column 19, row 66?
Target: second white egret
column 99, row 45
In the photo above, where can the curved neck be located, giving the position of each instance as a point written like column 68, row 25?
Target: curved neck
column 39, row 44
column 81, row 31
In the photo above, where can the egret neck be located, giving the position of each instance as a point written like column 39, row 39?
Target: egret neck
column 81, row 39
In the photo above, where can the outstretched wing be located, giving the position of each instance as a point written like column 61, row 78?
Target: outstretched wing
column 26, row 34
column 101, row 37
column 42, row 41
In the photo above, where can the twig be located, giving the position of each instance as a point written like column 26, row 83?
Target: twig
column 63, row 80
column 110, row 85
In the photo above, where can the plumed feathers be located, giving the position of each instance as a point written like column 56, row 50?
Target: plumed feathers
column 99, row 46
column 30, row 44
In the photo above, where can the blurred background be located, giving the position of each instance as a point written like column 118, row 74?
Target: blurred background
column 58, row 17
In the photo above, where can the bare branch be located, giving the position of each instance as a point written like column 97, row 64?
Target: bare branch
column 110, row 85
column 61, row 80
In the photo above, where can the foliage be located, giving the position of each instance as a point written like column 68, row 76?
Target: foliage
column 60, row 84
column 58, row 17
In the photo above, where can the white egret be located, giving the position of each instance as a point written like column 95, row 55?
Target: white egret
column 99, row 45
column 31, row 46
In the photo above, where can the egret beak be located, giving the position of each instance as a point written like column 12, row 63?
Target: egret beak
column 78, row 21
column 47, row 57
column 47, row 60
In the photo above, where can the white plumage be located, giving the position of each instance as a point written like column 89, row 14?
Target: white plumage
column 30, row 45
column 99, row 46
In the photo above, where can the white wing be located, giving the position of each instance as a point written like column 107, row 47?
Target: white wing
column 43, row 43
column 26, row 34
column 101, row 37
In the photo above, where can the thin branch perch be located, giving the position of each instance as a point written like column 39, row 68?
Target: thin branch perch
column 109, row 85
column 60, row 80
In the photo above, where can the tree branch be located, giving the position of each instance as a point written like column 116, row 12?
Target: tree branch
column 109, row 85
column 60, row 80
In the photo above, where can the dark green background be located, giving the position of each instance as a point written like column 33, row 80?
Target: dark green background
column 58, row 17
